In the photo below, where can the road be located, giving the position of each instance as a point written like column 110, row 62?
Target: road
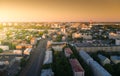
column 33, row 67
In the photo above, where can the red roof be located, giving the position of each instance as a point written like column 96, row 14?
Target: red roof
column 68, row 50
column 76, row 65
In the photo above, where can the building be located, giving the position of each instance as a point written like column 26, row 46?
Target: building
column 58, row 46
column 47, row 72
column 17, row 52
column 33, row 41
column 113, row 35
column 115, row 59
column 2, row 35
column 23, row 46
column 90, row 48
column 117, row 41
column 19, row 46
column 27, row 51
column 68, row 52
column 76, row 35
column 104, row 60
column 6, row 61
column 85, row 57
column 4, row 47
column 81, row 35
column 98, row 70
column 48, row 57
column 76, row 67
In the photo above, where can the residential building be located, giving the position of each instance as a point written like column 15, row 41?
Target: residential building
column 113, row 35
column 4, row 47
column 76, row 67
column 115, row 59
column 98, row 70
column 48, row 57
column 117, row 41
column 85, row 57
column 47, row 72
column 68, row 52
column 104, row 60
column 19, row 52
column 27, row 51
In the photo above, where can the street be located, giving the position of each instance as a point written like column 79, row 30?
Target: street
column 33, row 67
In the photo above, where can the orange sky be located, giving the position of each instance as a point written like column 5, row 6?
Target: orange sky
column 59, row 10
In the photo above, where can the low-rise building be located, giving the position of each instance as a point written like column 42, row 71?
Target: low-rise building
column 115, row 59
column 27, row 51
column 76, row 67
column 33, row 41
column 113, row 35
column 98, row 70
column 17, row 52
column 117, row 41
column 47, row 72
column 6, row 61
column 4, row 47
column 68, row 52
column 48, row 57
column 85, row 57
column 81, row 35
column 104, row 60
column 76, row 35
column 23, row 46
column 58, row 46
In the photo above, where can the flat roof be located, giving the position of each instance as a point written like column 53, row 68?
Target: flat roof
column 76, row 65
column 68, row 50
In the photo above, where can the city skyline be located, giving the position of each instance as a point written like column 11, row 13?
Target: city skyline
column 59, row 10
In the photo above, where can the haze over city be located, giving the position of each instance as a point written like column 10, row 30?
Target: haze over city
column 59, row 10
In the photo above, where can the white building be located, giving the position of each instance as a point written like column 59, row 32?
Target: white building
column 117, row 41
column 27, row 51
column 68, row 52
column 33, row 41
column 114, row 35
column 115, row 59
column 2, row 35
column 104, row 60
column 4, row 47
column 17, row 52
column 47, row 72
column 76, row 35
column 81, row 35
column 48, row 57
column 76, row 67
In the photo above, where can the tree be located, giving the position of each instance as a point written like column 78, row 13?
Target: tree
column 23, row 62
column 1, row 50
column 46, row 31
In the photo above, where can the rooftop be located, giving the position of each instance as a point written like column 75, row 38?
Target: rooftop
column 76, row 65
column 68, row 50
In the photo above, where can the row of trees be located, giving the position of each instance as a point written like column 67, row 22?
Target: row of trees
column 61, row 65
column 10, row 44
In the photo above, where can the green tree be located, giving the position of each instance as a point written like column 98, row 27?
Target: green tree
column 1, row 50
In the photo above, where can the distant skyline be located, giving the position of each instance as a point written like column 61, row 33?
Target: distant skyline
column 59, row 10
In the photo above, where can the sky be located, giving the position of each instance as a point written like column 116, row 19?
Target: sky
column 59, row 10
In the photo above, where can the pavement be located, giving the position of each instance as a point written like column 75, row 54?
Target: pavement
column 34, row 65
